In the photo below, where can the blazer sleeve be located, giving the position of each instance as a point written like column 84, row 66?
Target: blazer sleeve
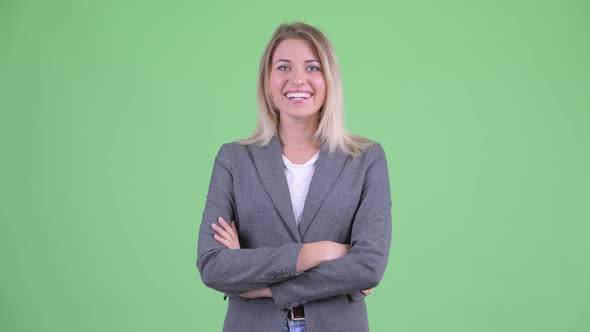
column 364, row 265
column 234, row 271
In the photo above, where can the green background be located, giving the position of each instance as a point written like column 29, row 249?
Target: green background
column 112, row 113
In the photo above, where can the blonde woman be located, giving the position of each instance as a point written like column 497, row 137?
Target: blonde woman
column 297, row 225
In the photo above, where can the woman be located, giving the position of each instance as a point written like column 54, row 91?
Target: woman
column 297, row 221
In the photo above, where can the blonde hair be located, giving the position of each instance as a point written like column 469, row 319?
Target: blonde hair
column 331, row 129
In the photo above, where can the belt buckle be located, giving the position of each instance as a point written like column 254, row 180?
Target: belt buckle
column 298, row 316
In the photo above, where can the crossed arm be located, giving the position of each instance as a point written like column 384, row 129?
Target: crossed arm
column 302, row 272
column 311, row 254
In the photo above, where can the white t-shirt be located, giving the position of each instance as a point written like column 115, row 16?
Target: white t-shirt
column 299, row 178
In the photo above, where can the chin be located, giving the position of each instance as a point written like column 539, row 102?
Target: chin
column 301, row 114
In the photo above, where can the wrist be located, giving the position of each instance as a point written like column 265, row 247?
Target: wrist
column 310, row 256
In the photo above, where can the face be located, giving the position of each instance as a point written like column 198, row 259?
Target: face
column 296, row 80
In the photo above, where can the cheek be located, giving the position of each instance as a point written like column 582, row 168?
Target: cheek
column 275, row 85
column 320, row 87
column 275, row 82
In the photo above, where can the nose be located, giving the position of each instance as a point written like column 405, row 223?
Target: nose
column 298, row 76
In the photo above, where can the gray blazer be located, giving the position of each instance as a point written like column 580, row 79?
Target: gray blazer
column 349, row 201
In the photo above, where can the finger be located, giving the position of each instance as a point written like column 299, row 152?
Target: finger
column 228, row 228
column 367, row 291
column 253, row 294
column 233, row 226
column 223, row 241
column 247, row 295
column 220, row 230
column 228, row 243
column 222, row 233
column 229, row 232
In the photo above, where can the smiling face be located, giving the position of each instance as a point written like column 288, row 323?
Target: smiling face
column 297, row 84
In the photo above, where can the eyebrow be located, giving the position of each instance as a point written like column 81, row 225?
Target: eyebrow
column 306, row 61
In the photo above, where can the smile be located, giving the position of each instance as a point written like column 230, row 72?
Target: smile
column 298, row 95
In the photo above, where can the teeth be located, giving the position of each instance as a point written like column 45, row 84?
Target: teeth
column 298, row 95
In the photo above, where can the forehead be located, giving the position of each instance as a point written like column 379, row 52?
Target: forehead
column 293, row 49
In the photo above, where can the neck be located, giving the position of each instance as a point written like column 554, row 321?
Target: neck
column 298, row 133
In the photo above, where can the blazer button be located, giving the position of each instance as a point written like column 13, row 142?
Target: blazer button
column 278, row 274
column 270, row 275
column 285, row 273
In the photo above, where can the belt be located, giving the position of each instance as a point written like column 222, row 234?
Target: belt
column 297, row 313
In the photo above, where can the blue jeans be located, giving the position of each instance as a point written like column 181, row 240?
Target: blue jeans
column 294, row 326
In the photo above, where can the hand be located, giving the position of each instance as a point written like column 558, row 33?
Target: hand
column 261, row 292
column 333, row 250
column 367, row 291
column 315, row 253
column 226, row 234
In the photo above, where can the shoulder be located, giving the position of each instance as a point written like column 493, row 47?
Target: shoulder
column 359, row 146
column 236, row 152
column 370, row 151
column 234, row 147
column 374, row 167
column 226, row 152
column 376, row 150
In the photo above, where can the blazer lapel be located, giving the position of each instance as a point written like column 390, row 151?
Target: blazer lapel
column 269, row 163
column 328, row 167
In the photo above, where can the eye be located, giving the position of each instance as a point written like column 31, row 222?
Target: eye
column 313, row 68
column 282, row 68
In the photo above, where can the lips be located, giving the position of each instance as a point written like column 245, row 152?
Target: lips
column 298, row 95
